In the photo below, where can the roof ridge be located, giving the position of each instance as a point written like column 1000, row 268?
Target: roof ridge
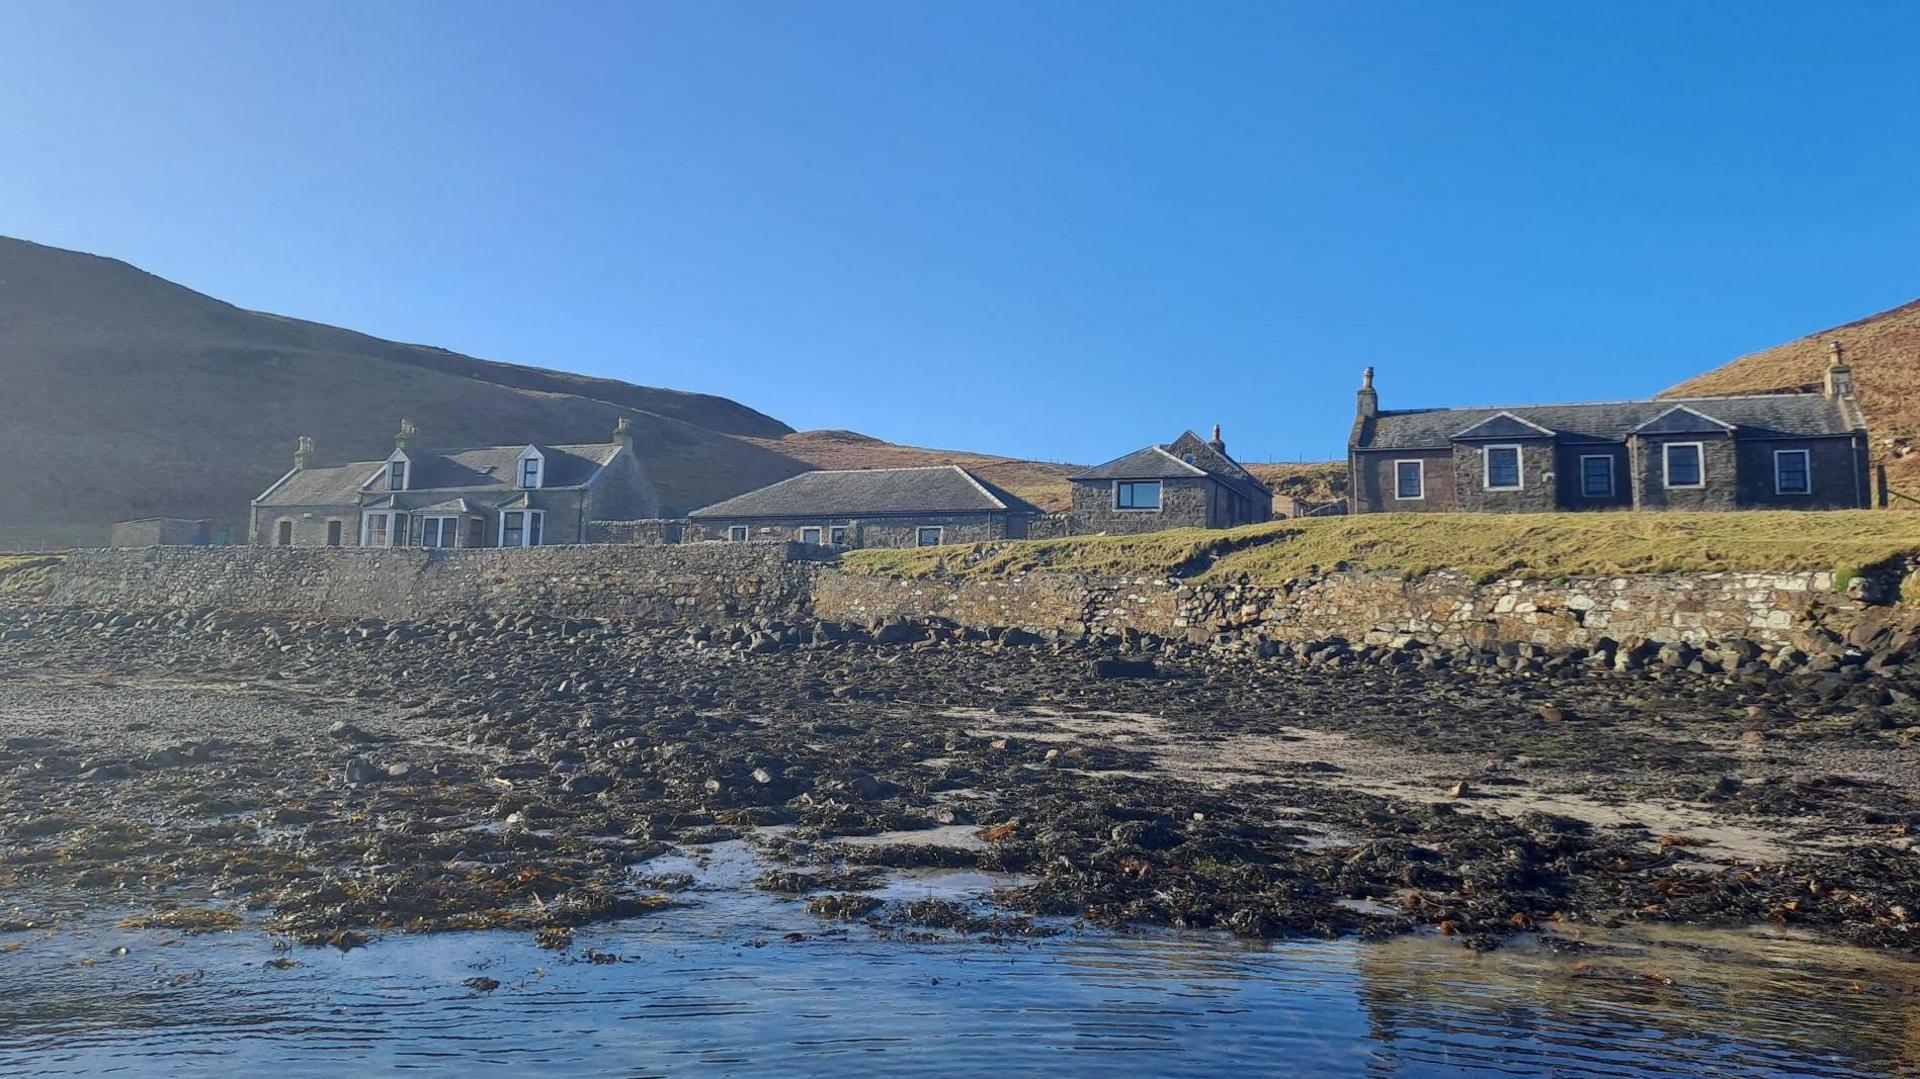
column 1617, row 401
column 969, row 477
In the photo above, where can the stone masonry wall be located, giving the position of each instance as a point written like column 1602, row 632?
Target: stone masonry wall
column 706, row 583
column 690, row 583
column 1446, row 608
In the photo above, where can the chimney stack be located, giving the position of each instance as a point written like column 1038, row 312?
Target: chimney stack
column 623, row 434
column 1215, row 442
column 405, row 435
column 1839, row 376
column 1369, row 403
column 303, row 451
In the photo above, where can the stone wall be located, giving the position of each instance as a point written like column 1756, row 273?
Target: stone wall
column 688, row 583
column 723, row 582
column 1445, row 608
column 652, row 531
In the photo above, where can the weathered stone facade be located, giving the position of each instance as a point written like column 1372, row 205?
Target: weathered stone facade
column 160, row 532
column 1188, row 483
column 1613, row 454
column 1184, row 503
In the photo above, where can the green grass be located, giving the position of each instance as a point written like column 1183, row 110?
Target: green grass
column 1484, row 546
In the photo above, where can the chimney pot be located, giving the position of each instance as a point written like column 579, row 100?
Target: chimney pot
column 303, row 451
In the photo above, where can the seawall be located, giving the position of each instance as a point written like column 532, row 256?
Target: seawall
column 718, row 582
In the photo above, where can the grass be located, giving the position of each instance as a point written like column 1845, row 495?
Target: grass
column 1484, row 546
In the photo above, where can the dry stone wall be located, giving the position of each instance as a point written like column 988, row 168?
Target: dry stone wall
column 688, row 583
column 706, row 583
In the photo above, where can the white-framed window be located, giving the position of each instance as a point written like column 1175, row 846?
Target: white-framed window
column 439, row 531
column 929, row 536
column 1500, row 468
column 381, row 529
column 738, row 533
column 1409, row 480
column 397, row 474
column 1792, row 472
column 810, row 535
column 522, row 528
column 1684, row 464
column 1133, row 495
column 533, row 469
column 1596, row 475
column 837, row 535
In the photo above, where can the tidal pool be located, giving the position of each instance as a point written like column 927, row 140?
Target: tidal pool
column 718, row 987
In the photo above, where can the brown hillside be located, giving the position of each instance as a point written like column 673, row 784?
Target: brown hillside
column 1884, row 352
column 124, row 395
column 1040, row 482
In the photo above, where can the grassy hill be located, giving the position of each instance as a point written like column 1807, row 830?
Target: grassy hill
column 1884, row 351
column 124, row 395
column 1482, row 545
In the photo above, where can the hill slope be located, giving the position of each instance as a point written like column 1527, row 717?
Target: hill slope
column 1884, row 352
column 124, row 395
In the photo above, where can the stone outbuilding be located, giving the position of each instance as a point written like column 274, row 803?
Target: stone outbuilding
column 524, row 495
column 162, row 532
column 1764, row 451
column 870, row 507
column 1186, row 483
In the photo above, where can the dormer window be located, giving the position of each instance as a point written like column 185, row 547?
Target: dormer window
column 397, row 474
column 533, row 468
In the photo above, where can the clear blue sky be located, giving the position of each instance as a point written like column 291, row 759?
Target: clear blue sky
column 1052, row 230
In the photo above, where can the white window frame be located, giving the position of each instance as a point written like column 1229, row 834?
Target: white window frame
column 1805, row 455
column 939, row 535
column 387, row 523
column 539, row 470
column 446, row 523
column 1666, row 466
column 1421, row 473
column 739, row 533
column 817, row 534
column 1519, row 466
column 527, row 527
column 1159, row 501
column 406, row 471
column 1613, row 487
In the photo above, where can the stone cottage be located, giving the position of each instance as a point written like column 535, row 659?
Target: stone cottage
column 490, row 496
column 1186, row 483
column 1769, row 451
column 870, row 507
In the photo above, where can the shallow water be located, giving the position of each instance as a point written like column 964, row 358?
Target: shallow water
column 717, row 988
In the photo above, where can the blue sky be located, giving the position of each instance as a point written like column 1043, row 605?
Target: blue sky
column 1050, row 230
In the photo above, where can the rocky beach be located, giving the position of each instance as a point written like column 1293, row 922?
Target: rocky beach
column 338, row 781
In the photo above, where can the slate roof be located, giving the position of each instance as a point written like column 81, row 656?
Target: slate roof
column 481, row 471
column 1162, row 462
column 873, row 492
column 1151, row 463
column 1779, row 415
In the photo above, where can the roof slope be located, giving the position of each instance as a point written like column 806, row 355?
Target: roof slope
column 874, row 492
column 479, row 470
column 1764, row 415
column 1884, row 352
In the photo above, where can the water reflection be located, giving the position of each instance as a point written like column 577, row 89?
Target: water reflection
column 727, row 996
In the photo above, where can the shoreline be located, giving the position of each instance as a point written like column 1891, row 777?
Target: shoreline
column 349, row 779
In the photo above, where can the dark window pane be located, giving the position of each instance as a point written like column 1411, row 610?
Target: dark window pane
column 1407, row 479
column 1137, row 496
column 1503, row 466
column 1683, row 465
column 1596, row 476
column 1791, row 473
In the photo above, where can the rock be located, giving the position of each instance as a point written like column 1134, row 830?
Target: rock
column 1114, row 667
column 1551, row 714
column 865, row 786
column 586, row 783
column 1459, row 790
column 347, row 732
column 112, row 770
column 360, row 770
column 482, row 984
